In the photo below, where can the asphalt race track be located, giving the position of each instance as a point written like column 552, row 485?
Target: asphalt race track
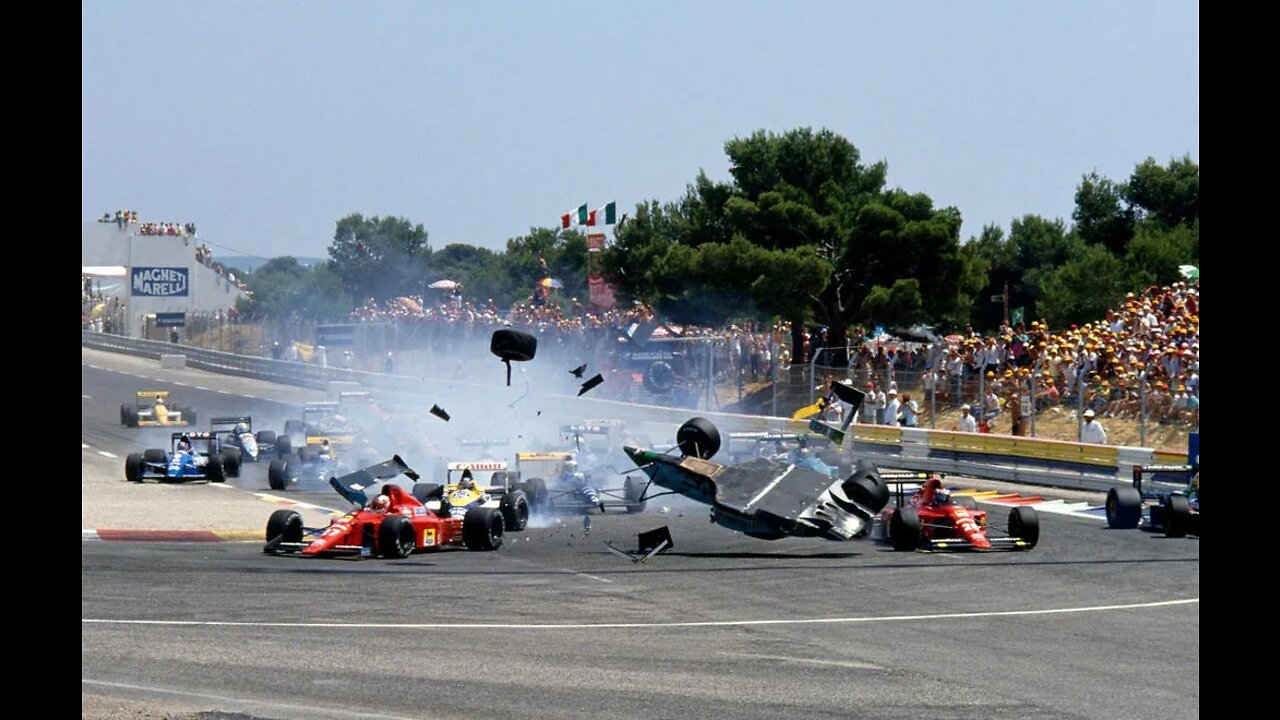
column 1093, row 623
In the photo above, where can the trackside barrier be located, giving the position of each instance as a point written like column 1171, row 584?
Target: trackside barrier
column 1015, row 459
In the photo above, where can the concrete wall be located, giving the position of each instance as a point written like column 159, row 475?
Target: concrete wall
column 105, row 244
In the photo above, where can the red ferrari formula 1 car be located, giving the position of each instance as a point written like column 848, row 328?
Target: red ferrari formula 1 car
column 934, row 519
column 392, row 523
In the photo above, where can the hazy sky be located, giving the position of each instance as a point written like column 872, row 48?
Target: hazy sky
column 265, row 122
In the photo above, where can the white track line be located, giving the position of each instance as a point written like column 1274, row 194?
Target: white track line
column 592, row 626
column 325, row 711
column 104, row 453
column 585, row 575
column 85, row 397
column 84, row 446
column 853, row 664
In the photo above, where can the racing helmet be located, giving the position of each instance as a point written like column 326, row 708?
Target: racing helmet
column 570, row 464
column 242, row 428
column 159, row 400
column 942, row 496
column 184, row 442
column 380, row 504
column 324, row 448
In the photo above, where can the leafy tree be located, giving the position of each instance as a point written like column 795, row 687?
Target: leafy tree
column 283, row 288
column 1091, row 282
column 805, row 230
column 378, row 258
column 1101, row 215
column 1169, row 196
column 1155, row 254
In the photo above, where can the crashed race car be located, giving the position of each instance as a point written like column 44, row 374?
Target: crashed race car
column 482, row 483
column 1168, row 500
column 194, row 456
column 933, row 518
column 554, row 483
column 392, row 523
column 237, row 432
column 805, row 449
column 151, row 408
column 316, row 462
column 764, row 498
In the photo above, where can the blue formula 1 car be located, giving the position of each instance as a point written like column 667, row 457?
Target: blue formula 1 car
column 1163, row 498
column 194, row 456
column 314, row 465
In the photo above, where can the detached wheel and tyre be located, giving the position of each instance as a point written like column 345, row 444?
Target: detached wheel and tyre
column 698, row 437
column 1177, row 516
column 633, row 490
column 1024, row 523
column 1124, row 508
column 133, row 467
column 286, row 525
column 395, row 537
column 482, row 529
column 278, row 474
column 904, row 529
column 515, row 510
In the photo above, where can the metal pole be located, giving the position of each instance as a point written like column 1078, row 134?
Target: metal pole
column 1006, row 302
column 813, row 362
column 711, row 372
column 773, row 361
column 1142, row 416
column 1035, row 372
column 933, row 390
column 1080, row 404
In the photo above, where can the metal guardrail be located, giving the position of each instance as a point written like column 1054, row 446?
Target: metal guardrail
column 1040, row 462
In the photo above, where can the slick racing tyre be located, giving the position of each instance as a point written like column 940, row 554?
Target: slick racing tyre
column 904, row 529
column 515, row 510
column 1124, row 508
column 284, row 524
column 482, row 529
column 1024, row 524
column 133, row 467
column 278, row 474
column 395, row 537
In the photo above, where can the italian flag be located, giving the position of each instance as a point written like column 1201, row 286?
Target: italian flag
column 607, row 215
column 575, row 217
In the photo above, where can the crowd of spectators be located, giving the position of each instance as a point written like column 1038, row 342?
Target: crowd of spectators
column 97, row 312
column 121, row 218
column 168, row 228
column 1149, row 345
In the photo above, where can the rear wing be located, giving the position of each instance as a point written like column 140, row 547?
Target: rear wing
column 898, row 477
column 151, row 394
column 194, row 435
column 352, row 486
column 230, row 420
column 1183, row 473
column 535, row 456
column 481, row 466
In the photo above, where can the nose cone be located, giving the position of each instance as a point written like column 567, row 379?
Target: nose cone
column 644, row 459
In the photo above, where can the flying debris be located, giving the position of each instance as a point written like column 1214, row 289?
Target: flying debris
column 578, row 371
column 598, row 379
column 439, row 412
column 511, row 345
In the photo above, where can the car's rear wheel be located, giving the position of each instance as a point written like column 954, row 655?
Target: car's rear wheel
column 155, row 455
column 215, row 470
column 536, row 490
column 265, row 437
column 231, row 461
column 1024, row 524
column 1124, row 508
column 1177, row 516
column 133, row 467
column 284, row 445
column 286, row 525
column 395, row 537
column 904, row 529
column 515, row 510
column 277, row 474
column 482, row 529
column 124, row 414
column 131, row 416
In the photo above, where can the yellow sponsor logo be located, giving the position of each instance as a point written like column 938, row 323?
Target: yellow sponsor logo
column 428, row 537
